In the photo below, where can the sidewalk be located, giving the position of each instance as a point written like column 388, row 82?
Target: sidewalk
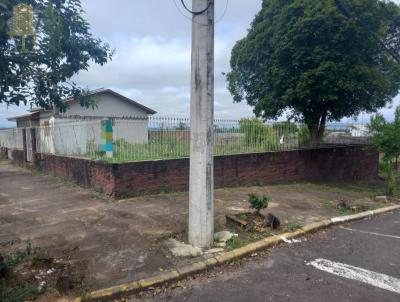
column 105, row 242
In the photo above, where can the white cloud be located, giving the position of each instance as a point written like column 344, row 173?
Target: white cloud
column 153, row 44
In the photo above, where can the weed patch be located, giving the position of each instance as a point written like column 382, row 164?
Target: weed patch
column 234, row 243
column 291, row 227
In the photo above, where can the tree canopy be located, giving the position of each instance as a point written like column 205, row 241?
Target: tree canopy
column 308, row 58
column 386, row 135
column 62, row 46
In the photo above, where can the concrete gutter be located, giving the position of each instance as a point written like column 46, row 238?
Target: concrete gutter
column 182, row 272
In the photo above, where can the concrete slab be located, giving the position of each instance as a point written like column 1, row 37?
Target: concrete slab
column 116, row 241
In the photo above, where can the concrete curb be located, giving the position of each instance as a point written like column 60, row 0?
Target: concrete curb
column 182, row 272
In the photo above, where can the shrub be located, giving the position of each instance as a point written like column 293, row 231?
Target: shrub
column 390, row 177
column 304, row 135
column 258, row 203
column 386, row 139
column 256, row 133
column 286, row 128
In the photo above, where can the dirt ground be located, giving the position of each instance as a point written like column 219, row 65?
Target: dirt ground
column 102, row 242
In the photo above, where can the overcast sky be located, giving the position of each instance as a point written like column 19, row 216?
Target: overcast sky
column 152, row 40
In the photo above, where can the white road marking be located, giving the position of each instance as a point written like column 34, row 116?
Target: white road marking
column 359, row 274
column 371, row 233
column 290, row 241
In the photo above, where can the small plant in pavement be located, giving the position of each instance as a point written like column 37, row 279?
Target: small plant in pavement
column 234, row 243
column 258, row 203
column 293, row 226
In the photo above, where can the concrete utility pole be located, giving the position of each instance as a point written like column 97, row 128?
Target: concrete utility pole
column 201, row 191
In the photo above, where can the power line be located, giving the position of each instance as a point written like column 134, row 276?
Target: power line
column 190, row 19
column 196, row 13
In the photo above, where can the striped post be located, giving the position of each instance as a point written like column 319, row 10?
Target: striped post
column 107, row 138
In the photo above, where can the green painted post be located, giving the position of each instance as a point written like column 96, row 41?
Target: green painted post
column 107, row 138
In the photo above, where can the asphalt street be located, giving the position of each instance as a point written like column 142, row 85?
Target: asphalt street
column 359, row 261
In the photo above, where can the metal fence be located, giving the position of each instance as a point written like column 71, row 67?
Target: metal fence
column 11, row 138
column 137, row 139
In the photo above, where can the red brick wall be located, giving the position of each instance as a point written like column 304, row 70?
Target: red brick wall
column 328, row 164
column 94, row 174
column 16, row 155
column 19, row 156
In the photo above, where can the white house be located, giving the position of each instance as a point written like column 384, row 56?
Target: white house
column 71, row 132
column 359, row 131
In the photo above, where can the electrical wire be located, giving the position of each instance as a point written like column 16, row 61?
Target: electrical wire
column 196, row 13
column 347, row 12
column 190, row 19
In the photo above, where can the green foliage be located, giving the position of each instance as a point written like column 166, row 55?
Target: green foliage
column 390, row 177
column 234, row 243
column 258, row 203
column 386, row 139
column 306, row 57
column 13, row 260
column 258, row 133
column 291, row 227
column 303, row 135
column 9, row 292
column 285, row 128
column 386, row 136
column 62, row 48
column 18, row 293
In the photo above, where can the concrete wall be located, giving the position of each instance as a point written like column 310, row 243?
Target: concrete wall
column 324, row 164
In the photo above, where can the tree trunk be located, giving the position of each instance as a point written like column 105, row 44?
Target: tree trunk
column 315, row 135
column 317, row 130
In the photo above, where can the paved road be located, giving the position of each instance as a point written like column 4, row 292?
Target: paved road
column 353, row 262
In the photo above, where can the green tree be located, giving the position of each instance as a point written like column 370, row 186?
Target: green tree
column 63, row 46
column 307, row 58
column 386, row 139
column 14, row 66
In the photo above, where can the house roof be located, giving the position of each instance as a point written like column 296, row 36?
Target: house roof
column 120, row 96
column 36, row 111
column 24, row 117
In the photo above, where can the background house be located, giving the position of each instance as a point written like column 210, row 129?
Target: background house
column 78, row 129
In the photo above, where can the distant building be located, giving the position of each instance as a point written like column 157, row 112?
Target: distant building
column 359, row 131
column 78, row 129
column 108, row 104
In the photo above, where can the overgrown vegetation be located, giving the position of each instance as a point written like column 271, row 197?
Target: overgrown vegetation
column 258, row 203
column 251, row 136
column 10, row 290
column 354, row 210
column 234, row 243
column 386, row 139
column 291, row 227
